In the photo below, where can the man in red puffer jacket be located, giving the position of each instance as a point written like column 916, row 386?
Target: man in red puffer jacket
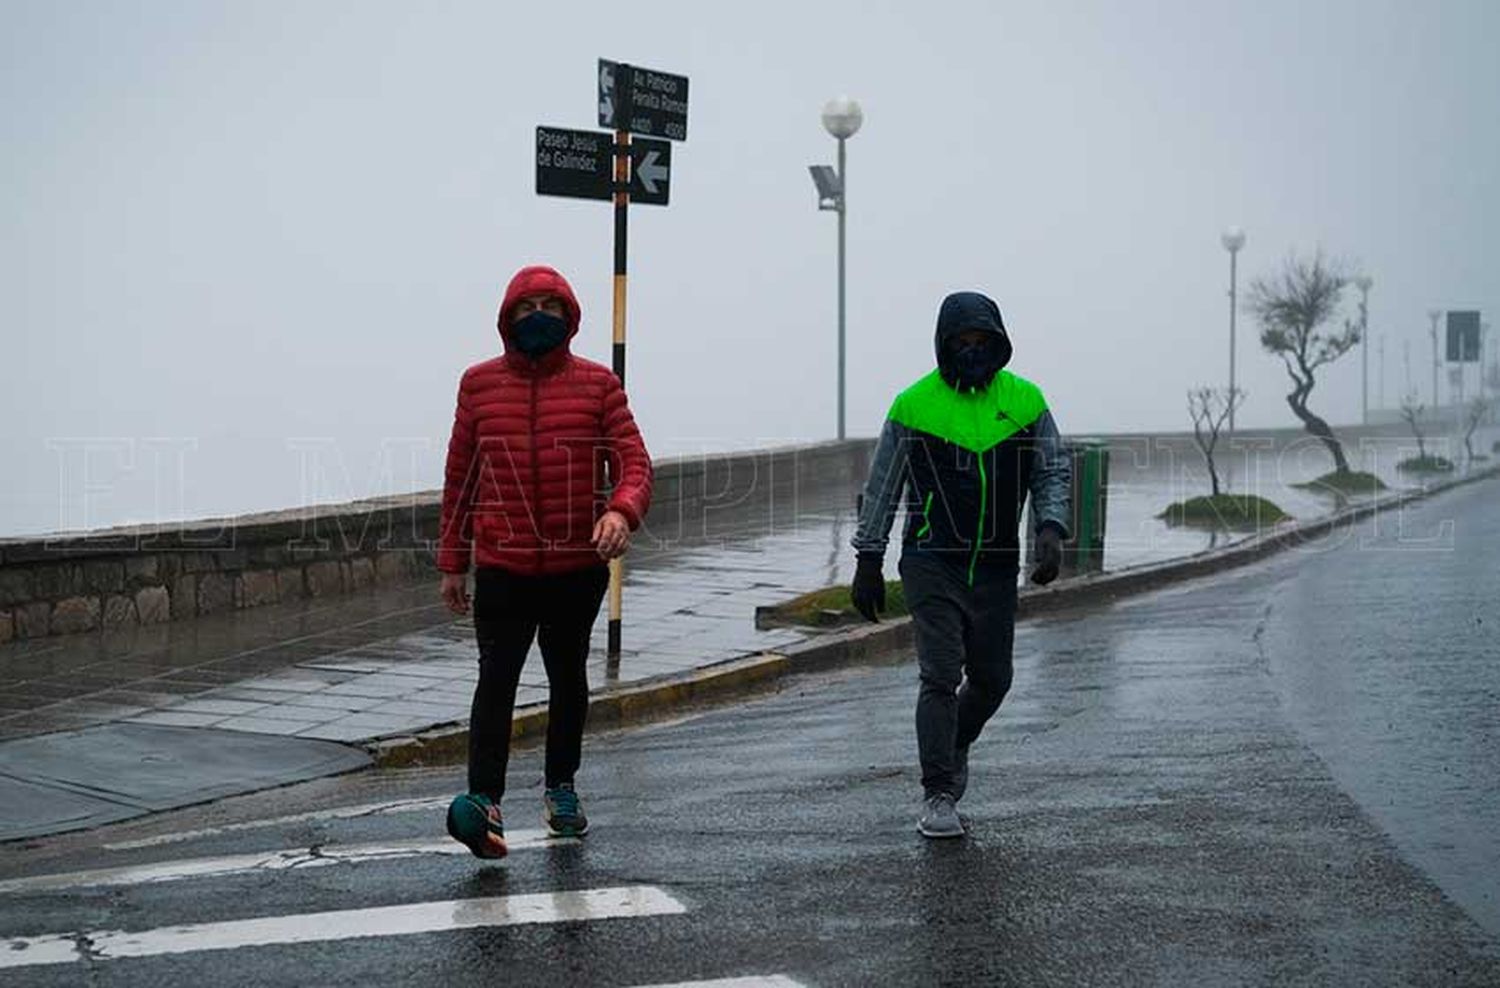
column 525, row 492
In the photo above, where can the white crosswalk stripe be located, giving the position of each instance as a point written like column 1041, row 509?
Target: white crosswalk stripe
column 236, row 864
column 769, row 981
column 383, row 921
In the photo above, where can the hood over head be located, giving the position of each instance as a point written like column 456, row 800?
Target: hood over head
column 537, row 279
column 962, row 311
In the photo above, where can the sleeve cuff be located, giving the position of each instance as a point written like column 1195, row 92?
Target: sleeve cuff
column 1056, row 526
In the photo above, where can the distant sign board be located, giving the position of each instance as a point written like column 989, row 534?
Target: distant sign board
column 642, row 101
column 1463, row 337
column 579, row 164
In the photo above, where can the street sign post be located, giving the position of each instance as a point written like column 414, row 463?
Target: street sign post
column 580, row 164
column 586, row 164
column 642, row 101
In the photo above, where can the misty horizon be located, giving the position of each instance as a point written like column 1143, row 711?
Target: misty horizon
column 238, row 235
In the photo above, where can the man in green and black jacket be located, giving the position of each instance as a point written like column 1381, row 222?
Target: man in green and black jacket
column 966, row 443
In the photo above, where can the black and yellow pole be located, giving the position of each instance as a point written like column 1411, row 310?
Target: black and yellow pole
column 622, row 214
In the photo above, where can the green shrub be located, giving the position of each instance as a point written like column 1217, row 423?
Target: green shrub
column 830, row 607
column 1426, row 464
column 1233, row 511
column 1344, row 483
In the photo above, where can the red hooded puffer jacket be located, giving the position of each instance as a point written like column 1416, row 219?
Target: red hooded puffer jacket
column 525, row 478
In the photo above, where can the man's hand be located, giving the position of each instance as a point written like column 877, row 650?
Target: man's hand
column 868, row 591
column 1048, row 556
column 455, row 591
column 611, row 535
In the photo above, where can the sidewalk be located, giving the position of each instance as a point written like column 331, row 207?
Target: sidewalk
column 201, row 706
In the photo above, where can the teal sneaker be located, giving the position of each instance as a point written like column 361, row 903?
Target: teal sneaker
column 563, row 813
column 474, row 821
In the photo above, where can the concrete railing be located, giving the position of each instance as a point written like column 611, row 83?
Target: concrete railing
column 152, row 574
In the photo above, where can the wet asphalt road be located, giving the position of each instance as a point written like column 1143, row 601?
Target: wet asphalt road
column 1202, row 786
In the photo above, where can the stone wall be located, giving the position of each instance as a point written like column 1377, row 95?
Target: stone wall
column 121, row 577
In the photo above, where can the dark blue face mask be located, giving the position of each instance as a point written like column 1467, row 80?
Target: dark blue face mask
column 974, row 365
column 537, row 333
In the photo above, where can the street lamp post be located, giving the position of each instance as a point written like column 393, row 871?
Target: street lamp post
column 842, row 118
column 1232, row 239
column 1382, row 371
column 1432, row 315
column 1364, row 282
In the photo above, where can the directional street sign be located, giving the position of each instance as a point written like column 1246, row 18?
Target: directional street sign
column 642, row 101
column 1463, row 337
column 650, row 171
column 580, row 164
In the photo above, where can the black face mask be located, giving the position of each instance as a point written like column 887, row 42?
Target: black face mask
column 537, row 333
column 971, row 367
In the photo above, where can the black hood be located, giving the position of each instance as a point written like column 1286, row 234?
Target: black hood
column 968, row 310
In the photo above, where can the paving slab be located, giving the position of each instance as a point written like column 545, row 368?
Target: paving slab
column 75, row 779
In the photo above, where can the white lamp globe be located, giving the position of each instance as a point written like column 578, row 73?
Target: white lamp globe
column 842, row 117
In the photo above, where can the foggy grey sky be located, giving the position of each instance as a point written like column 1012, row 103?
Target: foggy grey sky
column 275, row 233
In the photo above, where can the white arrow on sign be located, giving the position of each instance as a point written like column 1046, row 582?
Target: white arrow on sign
column 650, row 172
column 606, row 95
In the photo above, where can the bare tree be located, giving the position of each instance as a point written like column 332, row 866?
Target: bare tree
column 1210, row 409
column 1476, row 412
column 1291, row 306
column 1411, row 411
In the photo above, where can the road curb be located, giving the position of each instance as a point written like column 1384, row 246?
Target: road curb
column 657, row 699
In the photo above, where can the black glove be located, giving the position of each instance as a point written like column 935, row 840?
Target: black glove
column 868, row 591
column 1048, row 555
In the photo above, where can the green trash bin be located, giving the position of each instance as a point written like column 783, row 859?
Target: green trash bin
column 1084, row 552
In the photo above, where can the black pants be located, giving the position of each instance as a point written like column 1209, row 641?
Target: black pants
column 509, row 611
column 964, row 643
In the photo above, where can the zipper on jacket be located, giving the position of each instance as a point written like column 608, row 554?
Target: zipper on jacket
column 984, row 497
column 926, row 518
column 536, row 479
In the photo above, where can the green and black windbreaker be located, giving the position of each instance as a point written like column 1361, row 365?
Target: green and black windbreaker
column 966, row 461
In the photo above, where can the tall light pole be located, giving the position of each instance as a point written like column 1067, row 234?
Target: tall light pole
column 1364, row 282
column 1432, row 315
column 1232, row 239
column 842, row 118
column 1382, row 371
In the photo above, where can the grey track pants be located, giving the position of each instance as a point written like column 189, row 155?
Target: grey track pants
column 964, row 640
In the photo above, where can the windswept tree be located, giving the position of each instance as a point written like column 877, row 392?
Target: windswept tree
column 1411, row 413
column 1292, row 306
column 1210, row 409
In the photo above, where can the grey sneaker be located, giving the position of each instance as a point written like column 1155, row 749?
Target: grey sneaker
column 960, row 772
column 563, row 812
column 940, row 817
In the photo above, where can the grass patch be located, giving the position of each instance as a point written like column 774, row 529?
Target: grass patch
column 827, row 608
column 1426, row 464
column 1224, row 511
column 1345, row 482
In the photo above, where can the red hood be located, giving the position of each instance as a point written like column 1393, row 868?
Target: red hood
column 538, row 279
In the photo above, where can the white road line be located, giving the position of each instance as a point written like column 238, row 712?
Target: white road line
column 338, row 813
column 348, row 924
column 238, row 864
column 764, row 981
